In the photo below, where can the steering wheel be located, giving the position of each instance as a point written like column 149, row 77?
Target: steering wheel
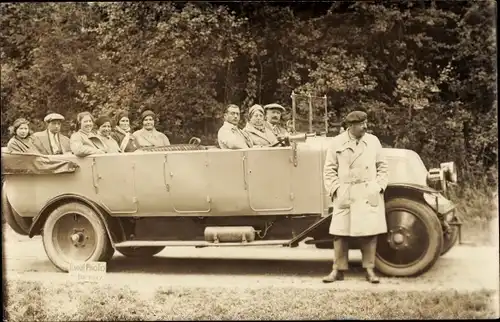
column 282, row 141
column 194, row 140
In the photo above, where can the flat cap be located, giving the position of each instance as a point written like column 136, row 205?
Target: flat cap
column 53, row 117
column 274, row 106
column 356, row 117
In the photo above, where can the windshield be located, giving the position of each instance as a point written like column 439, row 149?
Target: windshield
column 309, row 113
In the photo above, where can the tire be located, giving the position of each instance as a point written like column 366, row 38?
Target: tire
column 414, row 248
column 140, row 251
column 18, row 224
column 450, row 241
column 60, row 227
column 108, row 255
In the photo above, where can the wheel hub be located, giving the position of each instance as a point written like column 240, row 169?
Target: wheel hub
column 78, row 238
column 398, row 237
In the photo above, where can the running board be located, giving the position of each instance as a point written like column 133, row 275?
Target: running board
column 303, row 235
column 169, row 243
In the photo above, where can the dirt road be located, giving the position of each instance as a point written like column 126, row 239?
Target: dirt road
column 464, row 268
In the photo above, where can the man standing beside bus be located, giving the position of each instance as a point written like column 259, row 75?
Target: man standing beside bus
column 355, row 175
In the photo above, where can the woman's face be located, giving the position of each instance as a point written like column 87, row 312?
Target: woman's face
column 148, row 123
column 22, row 131
column 124, row 123
column 257, row 118
column 87, row 124
column 105, row 129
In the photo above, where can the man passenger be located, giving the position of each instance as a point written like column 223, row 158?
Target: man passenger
column 230, row 136
column 51, row 141
column 273, row 118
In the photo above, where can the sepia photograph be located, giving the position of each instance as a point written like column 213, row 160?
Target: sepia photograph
column 249, row 160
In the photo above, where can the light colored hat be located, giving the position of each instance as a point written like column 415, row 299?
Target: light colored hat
column 274, row 106
column 53, row 117
column 254, row 109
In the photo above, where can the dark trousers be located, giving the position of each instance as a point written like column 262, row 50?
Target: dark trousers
column 368, row 246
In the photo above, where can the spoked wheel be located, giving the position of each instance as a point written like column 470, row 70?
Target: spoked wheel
column 73, row 232
column 140, row 251
column 414, row 240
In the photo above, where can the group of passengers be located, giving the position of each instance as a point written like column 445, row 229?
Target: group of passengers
column 94, row 136
column 262, row 129
column 106, row 135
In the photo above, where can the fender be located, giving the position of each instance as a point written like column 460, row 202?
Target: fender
column 409, row 190
column 412, row 186
column 430, row 196
column 113, row 225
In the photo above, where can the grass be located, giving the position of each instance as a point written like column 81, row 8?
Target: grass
column 477, row 206
column 34, row 301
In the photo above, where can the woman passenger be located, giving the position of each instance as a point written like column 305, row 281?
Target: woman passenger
column 258, row 132
column 121, row 133
column 85, row 142
column 21, row 141
column 148, row 136
column 103, row 132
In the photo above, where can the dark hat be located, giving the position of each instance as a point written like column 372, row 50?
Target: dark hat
column 356, row 117
column 146, row 114
column 101, row 120
column 119, row 115
column 274, row 106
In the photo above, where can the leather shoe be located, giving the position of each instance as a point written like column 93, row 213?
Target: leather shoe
column 335, row 275
column 371, row 277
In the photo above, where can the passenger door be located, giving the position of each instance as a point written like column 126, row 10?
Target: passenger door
column 188, row 177
column 113, row 177
column 269, row 177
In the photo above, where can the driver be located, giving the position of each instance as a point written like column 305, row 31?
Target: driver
column 273, row 113
column 256, row 129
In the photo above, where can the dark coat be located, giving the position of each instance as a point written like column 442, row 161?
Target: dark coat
column 119, row 136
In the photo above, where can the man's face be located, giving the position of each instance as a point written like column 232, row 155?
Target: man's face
column 273, row 116
column 358, row 129
column 232, row 115
column 54, row 126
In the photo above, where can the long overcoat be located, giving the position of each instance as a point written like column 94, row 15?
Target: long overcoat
column 84, row 144
column 355, row 175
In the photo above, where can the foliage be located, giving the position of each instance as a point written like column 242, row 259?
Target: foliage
column 423, row 71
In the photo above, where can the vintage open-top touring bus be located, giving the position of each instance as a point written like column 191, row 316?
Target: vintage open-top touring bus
column 203, row 196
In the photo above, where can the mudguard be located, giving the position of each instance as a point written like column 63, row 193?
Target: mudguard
column 113, row 225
